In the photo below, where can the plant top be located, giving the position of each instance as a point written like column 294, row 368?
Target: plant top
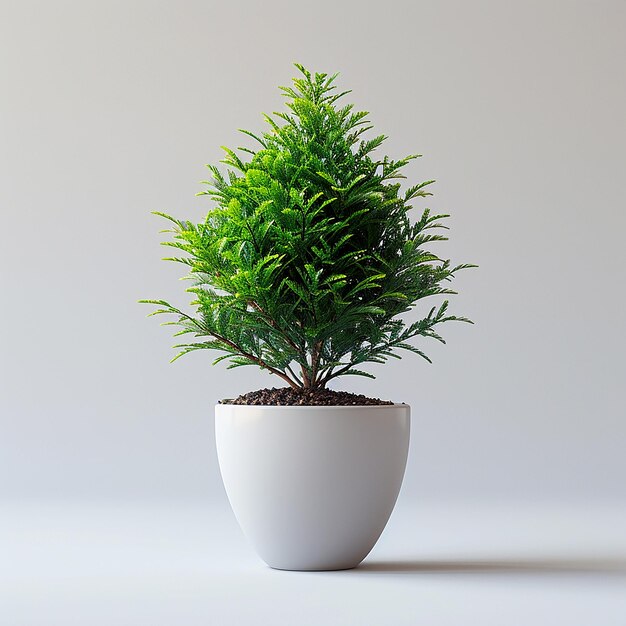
column 309, row 257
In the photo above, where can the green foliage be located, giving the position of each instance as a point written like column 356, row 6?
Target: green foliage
column 309, row 256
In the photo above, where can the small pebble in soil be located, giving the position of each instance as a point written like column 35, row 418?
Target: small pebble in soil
column 286, row 396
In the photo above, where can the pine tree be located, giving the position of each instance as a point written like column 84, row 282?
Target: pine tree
column 309, row 257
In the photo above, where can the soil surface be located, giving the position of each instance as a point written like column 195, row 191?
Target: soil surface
column 286, row 396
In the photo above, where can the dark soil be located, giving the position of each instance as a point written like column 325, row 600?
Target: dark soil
column 287, row 396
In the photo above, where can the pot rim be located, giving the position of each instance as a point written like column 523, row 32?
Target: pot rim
column 334, row 407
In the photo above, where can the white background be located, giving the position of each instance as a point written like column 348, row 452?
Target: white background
column 109, row 110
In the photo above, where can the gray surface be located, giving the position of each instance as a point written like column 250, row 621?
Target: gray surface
column 438, row 563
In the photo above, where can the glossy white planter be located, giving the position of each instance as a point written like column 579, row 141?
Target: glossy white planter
column 312, row 487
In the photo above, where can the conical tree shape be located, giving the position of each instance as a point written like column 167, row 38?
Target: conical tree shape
column 309, row 256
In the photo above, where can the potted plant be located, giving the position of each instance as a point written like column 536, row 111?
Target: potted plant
column 303, row 268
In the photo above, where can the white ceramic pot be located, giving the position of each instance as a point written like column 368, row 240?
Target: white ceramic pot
column 312, row 487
